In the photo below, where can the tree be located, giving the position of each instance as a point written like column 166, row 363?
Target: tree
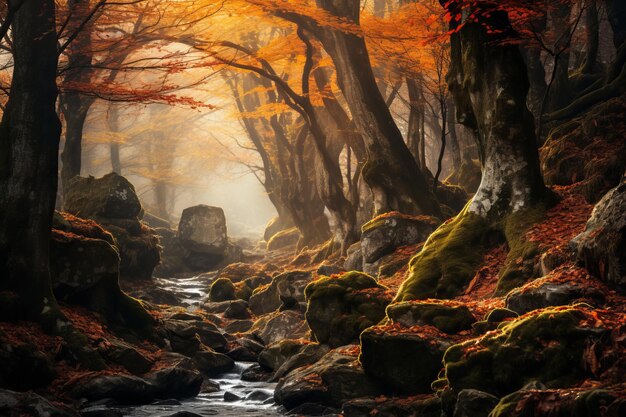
column 29, row 143
column 491, row 100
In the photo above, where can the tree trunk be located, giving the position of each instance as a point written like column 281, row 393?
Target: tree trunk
column 114, row 146
column 75, row 110
column 512, row 195
column 391, row 172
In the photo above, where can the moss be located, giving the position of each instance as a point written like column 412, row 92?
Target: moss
column 222, row 289
column 547, row 346
column 448, row 260
column 498, row 315
column 284, row 238
column 340, row 308
column 520, row 260
column 243, row 291
column 449, row 319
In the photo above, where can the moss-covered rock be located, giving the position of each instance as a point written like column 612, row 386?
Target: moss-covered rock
column 422, row 406
column 284, row 356
column 281, row 325
column 549, row 294
column 111, row 196
column 285, row 287
column 588, row 151
column 547, row 346
column 597, row 402
column 448, row 317
column 385, row 233
column 202, row 229
column 601, row 248
column 113, row 203
column 222, row 289
column 405, row 360
column 498, row 315
column 284, row 239
column 340, row 308
column 334, row 379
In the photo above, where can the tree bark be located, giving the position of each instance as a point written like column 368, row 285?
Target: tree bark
column 391, row 172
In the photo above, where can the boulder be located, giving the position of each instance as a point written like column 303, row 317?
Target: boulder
column 127, row 356
column 340, row 308
column 549, row 294
column 112, row 202
column 601, row 248
column 449, row 317
column 404, row 360
column 284, row 287
column 334, row 379
column 422, row 406
column 176, row 382
column 286, row 355
column 275, row 225
column 84, row 270
column 474, row 403
column 387, row 232
column 187, row 337
column 238, row 310
column 547, row 345
column 280, row 325
column 122, row 388
column 354, row 258
column 111, row 196
column 284, row 239
column 222, row 290
column 18, row 404
column 212, row 364
column 571, row 402
column 23, row 367
column 202, row 229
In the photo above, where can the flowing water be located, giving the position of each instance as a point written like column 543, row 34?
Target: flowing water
column 254, row 399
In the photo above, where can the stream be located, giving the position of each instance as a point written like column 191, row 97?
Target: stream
column 247, row 398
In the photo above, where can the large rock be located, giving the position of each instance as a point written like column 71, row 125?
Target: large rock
column 405, row 360
column 176, row 382
column 84, row 270
column 422, row 406
column 113, row 203
column 286, row 355
column 121, row 388
column 334, row 379
column 286, row 287
column 19, row 404
column 385, row 233
column 111, row 197
column 474, row 403
column 202, row 229
column 222, row 289
column 212, row 364
column 549, row 294
column 188, row 337
column 449, row 317
column 284, row 239
column 340, row 308
column 280, row 325
column 602, row 246
column 548, row 346
column 23, row 367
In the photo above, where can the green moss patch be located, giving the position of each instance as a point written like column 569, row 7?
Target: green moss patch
column 447, row 317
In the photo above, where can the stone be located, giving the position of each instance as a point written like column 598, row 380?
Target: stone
column 122, row 388
column 280, row 325
column 334, row 379
column 406, row 361
column 213, row 364
column 312, row 409
column 340, row 308
column 127, row 356
column 288, row 285
column 238, row 326
column 275, row 225
column 256, row 373
column 111, row 196
column 176, row 382
column 474, row 403
column 258, row 396
column 601, row 248
column 448, row 317
column 24, row 367
column 183, row 333
column 354, row 258
column 229, row 397
column 17, row 404
column 238, row 310
column 522, row 300
column 385, row 233
column 393, row 407
column 202, row 229
column 222, row 290
column 113, row 202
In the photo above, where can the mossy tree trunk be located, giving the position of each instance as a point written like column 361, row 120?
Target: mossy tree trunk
column 391, row 172
column 490, row 96
column 29, row 143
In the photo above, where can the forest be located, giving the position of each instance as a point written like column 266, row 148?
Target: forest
column 350, row 208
